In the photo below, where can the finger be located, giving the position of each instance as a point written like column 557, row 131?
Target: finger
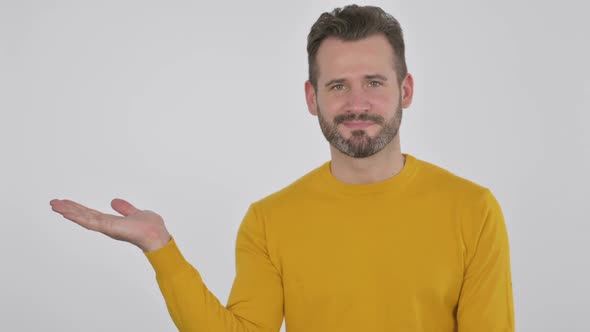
column 67, row 206
column 85, row 217
column 123, row 207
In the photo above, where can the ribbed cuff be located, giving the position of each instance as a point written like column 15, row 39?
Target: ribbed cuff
column 168, row 260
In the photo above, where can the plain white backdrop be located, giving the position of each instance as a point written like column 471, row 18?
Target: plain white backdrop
column 196, row 109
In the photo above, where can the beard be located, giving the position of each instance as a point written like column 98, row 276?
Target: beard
column 360, row 144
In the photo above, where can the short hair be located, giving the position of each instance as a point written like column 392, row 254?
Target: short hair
column 352, row 23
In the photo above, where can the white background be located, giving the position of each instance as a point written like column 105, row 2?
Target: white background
column 194, row 110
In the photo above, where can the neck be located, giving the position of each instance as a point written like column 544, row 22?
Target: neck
column 376, row 168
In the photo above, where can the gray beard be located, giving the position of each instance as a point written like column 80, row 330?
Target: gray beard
column 360, row 144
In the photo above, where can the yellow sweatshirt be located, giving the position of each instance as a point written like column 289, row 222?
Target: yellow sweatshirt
column 424, row 250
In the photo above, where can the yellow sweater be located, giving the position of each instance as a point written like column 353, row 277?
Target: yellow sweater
column 424, row 250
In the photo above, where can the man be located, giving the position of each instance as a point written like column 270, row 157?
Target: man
column 373, row 240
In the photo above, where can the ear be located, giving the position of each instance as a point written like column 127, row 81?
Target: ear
column 310, row 98
column 407, row 91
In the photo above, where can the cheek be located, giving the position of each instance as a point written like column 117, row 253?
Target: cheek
column 384, row 97
column 384, row 103
column 331, row 104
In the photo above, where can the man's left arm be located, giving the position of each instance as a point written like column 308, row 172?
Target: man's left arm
column 486, row 300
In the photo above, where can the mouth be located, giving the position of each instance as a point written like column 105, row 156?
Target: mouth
column 358, row 124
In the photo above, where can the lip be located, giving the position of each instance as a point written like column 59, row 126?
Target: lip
column 357, row 124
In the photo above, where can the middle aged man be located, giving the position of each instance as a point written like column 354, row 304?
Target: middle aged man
column 372, row 240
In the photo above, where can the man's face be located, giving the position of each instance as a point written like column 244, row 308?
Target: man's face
column 358, row 100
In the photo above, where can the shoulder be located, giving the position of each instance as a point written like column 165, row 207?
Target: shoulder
column 438, row 180
column 297, row 191
column 473, row 204
column 470, row 202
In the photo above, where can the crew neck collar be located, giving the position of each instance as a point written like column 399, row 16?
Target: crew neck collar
column 394, row 183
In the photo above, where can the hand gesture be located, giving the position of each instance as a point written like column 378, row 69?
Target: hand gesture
column 143, row 228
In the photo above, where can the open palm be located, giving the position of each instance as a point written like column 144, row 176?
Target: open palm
column 142, row 228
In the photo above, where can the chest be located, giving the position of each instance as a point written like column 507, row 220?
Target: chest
column 349, row 256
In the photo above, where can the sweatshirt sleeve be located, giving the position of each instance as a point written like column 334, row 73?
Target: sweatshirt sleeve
column 486, row 301
column 256, row 300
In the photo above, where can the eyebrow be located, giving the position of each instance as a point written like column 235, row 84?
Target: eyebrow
column 376, row 76
column 367, row 77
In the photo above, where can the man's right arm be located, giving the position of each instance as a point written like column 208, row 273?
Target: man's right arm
column 256, row 299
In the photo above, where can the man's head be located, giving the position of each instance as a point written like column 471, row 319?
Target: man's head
column 353, row 23
column 358, row 81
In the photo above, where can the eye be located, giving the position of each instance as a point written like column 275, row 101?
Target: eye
column 337, row 87
column 375, row 84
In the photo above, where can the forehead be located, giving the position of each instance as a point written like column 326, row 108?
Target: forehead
column 337, row 58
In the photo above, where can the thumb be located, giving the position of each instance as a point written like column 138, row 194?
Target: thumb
column 123, row 207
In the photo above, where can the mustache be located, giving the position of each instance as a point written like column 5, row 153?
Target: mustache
column 360, row 117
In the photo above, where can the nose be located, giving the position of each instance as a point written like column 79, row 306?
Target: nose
column 357, row 101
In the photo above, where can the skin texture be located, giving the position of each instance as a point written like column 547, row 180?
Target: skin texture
column 357, row 82
column 145, row 229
